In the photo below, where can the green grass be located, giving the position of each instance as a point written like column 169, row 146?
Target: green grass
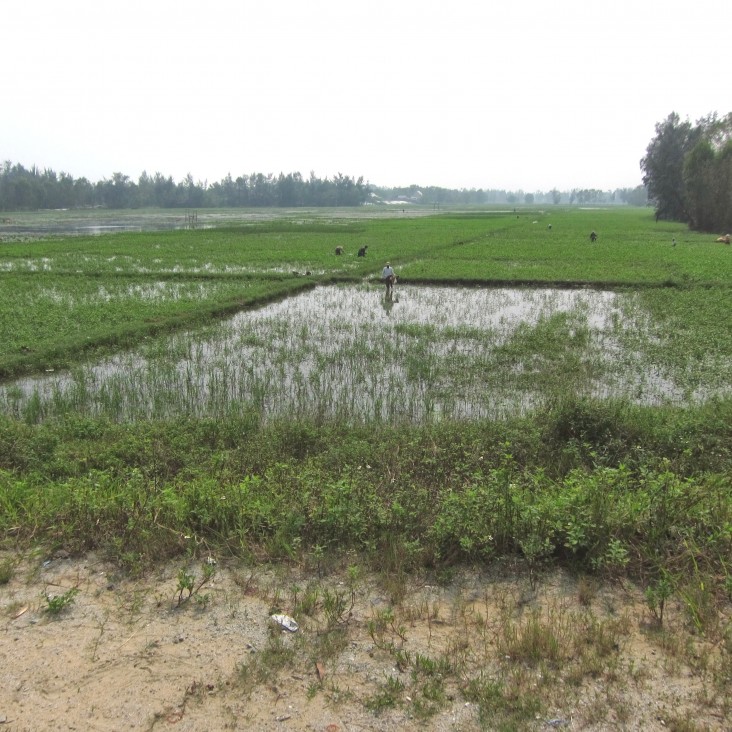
column 631, row 250
column 50, row 321
column 444, row 353
column 601, row 488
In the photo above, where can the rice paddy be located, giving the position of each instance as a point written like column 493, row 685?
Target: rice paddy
column 346, row 353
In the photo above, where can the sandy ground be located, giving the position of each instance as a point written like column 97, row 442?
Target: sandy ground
column 123, row 654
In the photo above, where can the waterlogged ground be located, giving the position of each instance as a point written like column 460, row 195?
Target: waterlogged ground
column 32, row 225
column 349, row 352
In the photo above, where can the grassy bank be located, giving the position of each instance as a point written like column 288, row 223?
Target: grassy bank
column 598, row 487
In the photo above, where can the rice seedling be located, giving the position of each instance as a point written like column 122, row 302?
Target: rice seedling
column 328, row 354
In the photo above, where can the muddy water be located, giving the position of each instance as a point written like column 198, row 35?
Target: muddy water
column 348, row 352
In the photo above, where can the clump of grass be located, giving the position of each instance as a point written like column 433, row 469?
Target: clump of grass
column 190, row 586
column 537, row 640
column 265, row 664
column 502, row 706
column 7, row 571
column 56, row 604
column 389, row 695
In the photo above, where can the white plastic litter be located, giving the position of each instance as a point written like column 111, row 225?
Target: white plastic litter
column 286, row 622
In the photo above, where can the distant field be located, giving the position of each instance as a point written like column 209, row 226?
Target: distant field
column 67, row 296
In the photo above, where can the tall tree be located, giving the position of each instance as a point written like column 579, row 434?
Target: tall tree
column 724, row 172
column 119, row 192
column 663, row 166
column 700, row 184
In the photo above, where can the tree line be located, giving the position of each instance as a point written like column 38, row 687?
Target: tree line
column 432, row 195
column 28, row 189
column 688, row 171
column 24, row 189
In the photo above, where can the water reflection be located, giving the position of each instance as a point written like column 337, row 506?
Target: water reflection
column 347, row 352
column 387, row 302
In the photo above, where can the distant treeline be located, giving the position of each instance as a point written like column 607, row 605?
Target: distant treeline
column 688, row 171
column 27, row 189
column 637, row 196
column 24, row 189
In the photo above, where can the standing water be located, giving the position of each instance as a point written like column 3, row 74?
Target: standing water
column 347, row 352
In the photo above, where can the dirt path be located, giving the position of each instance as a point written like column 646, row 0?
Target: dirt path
column 368, row 654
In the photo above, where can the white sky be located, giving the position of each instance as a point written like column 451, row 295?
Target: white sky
column 521, row 94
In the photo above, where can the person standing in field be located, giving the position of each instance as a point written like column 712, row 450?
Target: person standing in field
column 389, row 278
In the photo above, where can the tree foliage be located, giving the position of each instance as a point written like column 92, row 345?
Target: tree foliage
column 28, row 189
column 688, row 171
column 24, row 189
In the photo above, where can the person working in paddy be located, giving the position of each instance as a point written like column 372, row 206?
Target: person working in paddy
column 389, row 278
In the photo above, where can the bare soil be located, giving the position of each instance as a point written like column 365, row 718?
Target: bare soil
column 123, row 653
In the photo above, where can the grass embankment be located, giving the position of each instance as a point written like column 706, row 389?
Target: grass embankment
column 599, row 487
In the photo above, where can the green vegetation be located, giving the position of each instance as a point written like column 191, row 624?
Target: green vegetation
column 599, row 486
column 31, row 189
column 6, row 571
column 688, row 172
column 56, row 604
column 606, row 487
column 187, row 583
column 69, row 296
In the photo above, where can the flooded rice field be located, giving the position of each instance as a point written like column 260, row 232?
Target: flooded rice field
column 32, row 225
column 347, row 352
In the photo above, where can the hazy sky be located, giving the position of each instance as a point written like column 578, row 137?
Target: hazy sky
column 518, row 94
